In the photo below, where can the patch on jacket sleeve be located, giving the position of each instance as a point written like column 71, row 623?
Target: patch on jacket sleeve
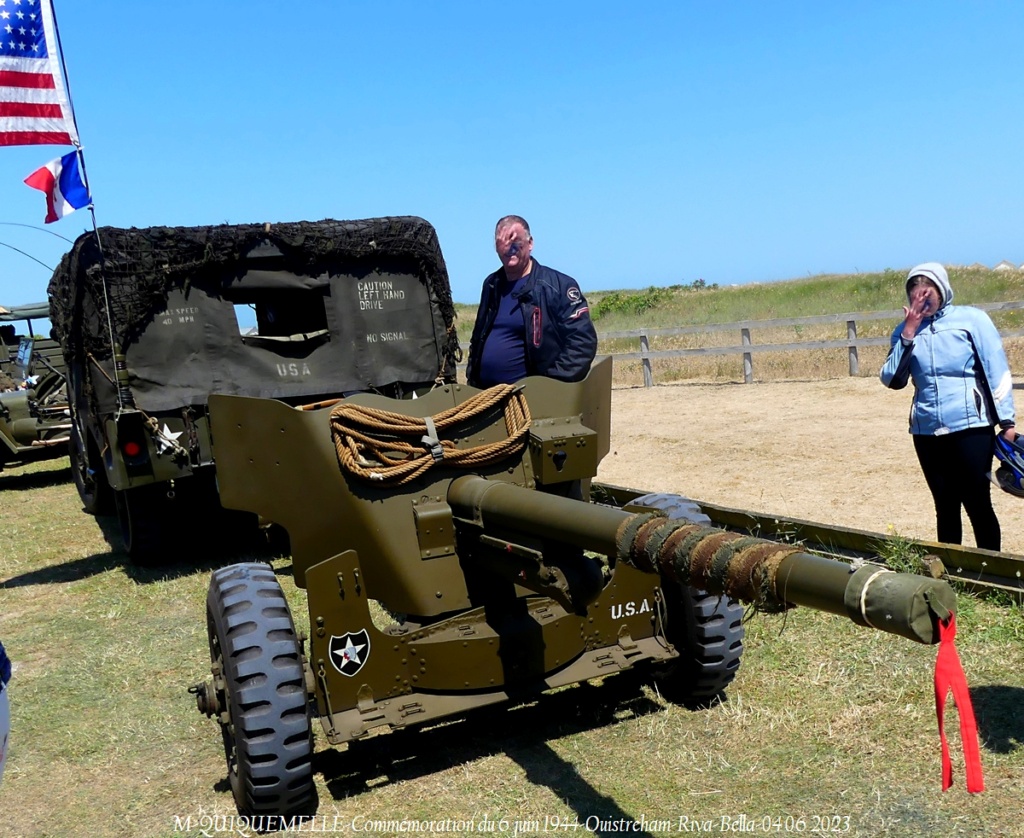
column 574, row 294
column 576, row 315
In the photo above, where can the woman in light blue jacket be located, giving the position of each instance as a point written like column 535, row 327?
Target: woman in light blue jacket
column 962, row 390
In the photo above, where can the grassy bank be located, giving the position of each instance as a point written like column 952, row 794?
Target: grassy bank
column 686, row 305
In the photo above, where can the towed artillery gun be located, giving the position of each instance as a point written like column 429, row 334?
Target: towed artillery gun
column 450, row 562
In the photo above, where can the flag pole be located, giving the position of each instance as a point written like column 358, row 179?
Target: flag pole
column 92, row 212
column 67, row 83
column 74, row 121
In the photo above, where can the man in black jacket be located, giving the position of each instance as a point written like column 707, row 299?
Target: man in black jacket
column 532, row 320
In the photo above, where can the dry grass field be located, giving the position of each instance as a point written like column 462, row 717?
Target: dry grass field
column 828, row 728
column 835, row 451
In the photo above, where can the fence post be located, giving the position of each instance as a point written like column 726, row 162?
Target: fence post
column 645, row 347
column 748, row 361
column 851, row 334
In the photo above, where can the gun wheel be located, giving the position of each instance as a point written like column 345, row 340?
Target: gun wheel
column 89, row 475
column 268, row 738
column 706, row 629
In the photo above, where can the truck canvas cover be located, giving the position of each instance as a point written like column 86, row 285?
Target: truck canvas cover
column 338, row 307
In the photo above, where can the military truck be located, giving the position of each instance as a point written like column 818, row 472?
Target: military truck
column 448, row 566
column 153, row 322
column 34, row 416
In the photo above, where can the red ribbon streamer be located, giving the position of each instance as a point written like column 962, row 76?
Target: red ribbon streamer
column 949, row 675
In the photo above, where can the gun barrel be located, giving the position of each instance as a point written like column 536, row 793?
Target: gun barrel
column 770, row 575
column 502, row 505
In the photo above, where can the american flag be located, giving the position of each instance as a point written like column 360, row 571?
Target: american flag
column 35, row 108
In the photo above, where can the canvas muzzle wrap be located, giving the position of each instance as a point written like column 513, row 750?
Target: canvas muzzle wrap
column 898, row 603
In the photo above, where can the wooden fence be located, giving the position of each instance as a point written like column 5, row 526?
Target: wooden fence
column 747, row 348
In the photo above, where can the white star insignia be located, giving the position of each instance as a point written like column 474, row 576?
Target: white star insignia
column 165, row 440
column 350, row 654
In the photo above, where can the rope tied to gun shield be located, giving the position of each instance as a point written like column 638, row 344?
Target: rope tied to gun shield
column 389, row 448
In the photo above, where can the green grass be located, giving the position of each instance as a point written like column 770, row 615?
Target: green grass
column 824, row 719
column 900, row 553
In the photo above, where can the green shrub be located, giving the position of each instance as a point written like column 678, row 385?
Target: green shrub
column 621, row 302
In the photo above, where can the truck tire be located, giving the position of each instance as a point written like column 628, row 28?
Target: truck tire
column 268, row 736
column 89, row 475
column 706, row 629
column 145, row 518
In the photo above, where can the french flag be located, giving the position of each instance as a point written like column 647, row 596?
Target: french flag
column 62, row 182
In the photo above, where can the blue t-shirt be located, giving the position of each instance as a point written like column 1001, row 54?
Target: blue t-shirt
column 503, row 357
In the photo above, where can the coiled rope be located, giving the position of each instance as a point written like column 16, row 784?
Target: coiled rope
column 391, row 448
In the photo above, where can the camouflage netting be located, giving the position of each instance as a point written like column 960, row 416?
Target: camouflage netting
column 140, row 266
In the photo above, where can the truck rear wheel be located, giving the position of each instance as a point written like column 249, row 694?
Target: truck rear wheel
column 706, row 629
column 268, row 737
column 89, row 475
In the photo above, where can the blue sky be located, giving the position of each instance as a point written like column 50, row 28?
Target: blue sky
column 647, row 144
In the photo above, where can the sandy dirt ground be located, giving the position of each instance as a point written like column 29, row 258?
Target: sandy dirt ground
column 834, row 451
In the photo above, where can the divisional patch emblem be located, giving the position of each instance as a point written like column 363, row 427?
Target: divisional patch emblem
column 349, row 652
column 574, row 294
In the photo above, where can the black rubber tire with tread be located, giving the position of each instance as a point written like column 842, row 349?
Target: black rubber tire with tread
column 268, row 741
column 706, row 629
column 89, row 475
